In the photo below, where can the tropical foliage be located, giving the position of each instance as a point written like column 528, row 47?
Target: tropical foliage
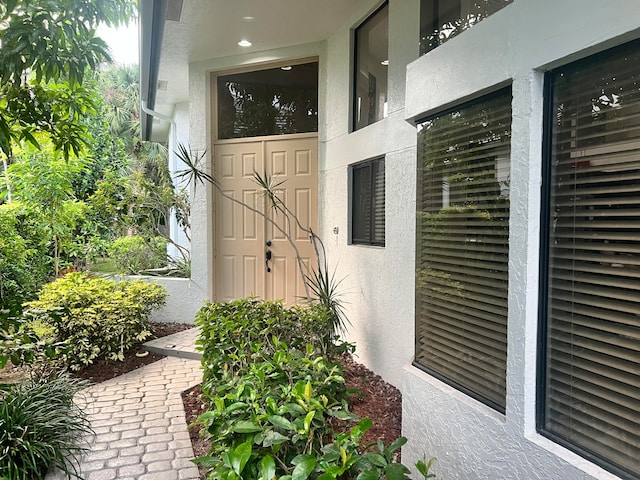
column 47, row 48
column 41, row 427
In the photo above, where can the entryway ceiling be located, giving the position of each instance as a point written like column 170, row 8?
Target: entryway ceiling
column 212, row 28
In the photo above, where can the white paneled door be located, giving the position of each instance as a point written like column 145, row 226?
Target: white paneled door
column 252, row 256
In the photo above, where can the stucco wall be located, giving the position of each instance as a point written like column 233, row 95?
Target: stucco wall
column 377, row 282
column 515, row 45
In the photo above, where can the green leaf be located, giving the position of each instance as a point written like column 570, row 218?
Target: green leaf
column 308, row 391
column 376, row 459
column 371, row 474
column 344, row 415
column 304, row 468
column 281, row 422
column 240, row 456
column 246, row 426
column 267, row 468
column 308, row 419
column 11, row 4
column 234, row 406
column 272, row 438
column 395, row 471
column 424, row 468
column 397, row 443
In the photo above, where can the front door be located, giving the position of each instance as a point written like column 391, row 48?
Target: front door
column 252, row 256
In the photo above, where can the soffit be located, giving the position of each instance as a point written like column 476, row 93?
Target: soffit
column 210, row 29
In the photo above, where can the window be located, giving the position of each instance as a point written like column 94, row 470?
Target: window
column 367, row 202
column 590, row 273
column 276, row 101
column 370, row 77
column 441, row 20
column 462, row 247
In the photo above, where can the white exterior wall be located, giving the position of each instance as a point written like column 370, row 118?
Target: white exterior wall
column 377, row 282
column 514, row 46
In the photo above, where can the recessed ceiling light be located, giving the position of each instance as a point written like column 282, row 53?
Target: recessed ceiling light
column 245, row 43
column 384, row 62
column 248, row 19
column 287, row 68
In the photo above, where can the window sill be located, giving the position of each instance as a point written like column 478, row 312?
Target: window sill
column 570, row 457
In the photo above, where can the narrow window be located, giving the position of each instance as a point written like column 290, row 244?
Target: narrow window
column 462, row 247
column 367, row 202
column 370, row 76
column 590, row 300
column 441, row 20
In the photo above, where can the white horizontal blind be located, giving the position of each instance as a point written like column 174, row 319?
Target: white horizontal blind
column 462, row 247
column 592, row 381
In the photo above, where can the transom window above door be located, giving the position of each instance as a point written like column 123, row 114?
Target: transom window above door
column 276, row 101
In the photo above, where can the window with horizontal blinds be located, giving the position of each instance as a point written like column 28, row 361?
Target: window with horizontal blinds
column 367, row 202
column 462, row 246
column 590, row 308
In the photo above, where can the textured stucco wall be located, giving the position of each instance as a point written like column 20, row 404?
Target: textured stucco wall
column 514, row 46
column 377, row 282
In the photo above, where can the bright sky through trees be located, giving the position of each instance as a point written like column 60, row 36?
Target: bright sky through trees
column 123, row 43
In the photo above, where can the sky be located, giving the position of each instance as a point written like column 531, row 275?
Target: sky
column 123, row 43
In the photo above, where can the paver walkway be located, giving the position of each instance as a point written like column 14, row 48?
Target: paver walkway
column 139, row 421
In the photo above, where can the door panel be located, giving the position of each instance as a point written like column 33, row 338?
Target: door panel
column 239, row 232
column 242, row 236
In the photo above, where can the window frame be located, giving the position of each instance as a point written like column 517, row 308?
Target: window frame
column 354, row 124
column 544, row 318
column 370, row 240
column 455, row 383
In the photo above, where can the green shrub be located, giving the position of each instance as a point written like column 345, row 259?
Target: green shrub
column 274, row 397
column 95, row 317
column 230, row 332
column 24, row 265
column 136, row 254
column 40, row 427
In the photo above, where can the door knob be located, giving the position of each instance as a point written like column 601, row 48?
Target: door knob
column 268, row 243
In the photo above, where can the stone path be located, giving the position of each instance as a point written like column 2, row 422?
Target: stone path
column 139, row 421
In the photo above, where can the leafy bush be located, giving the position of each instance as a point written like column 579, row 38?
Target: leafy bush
column 230, row 332
column 24, row 265
column 273, row 394
column 135, row 254
column 95, row 317
column 29, row 340
column 40, row 426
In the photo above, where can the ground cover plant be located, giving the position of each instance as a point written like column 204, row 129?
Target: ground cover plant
column 274, row 389
column 40, row 426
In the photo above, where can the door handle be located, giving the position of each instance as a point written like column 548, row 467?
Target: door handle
column 267, row 256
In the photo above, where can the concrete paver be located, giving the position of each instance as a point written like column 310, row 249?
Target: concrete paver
column 139, row 421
